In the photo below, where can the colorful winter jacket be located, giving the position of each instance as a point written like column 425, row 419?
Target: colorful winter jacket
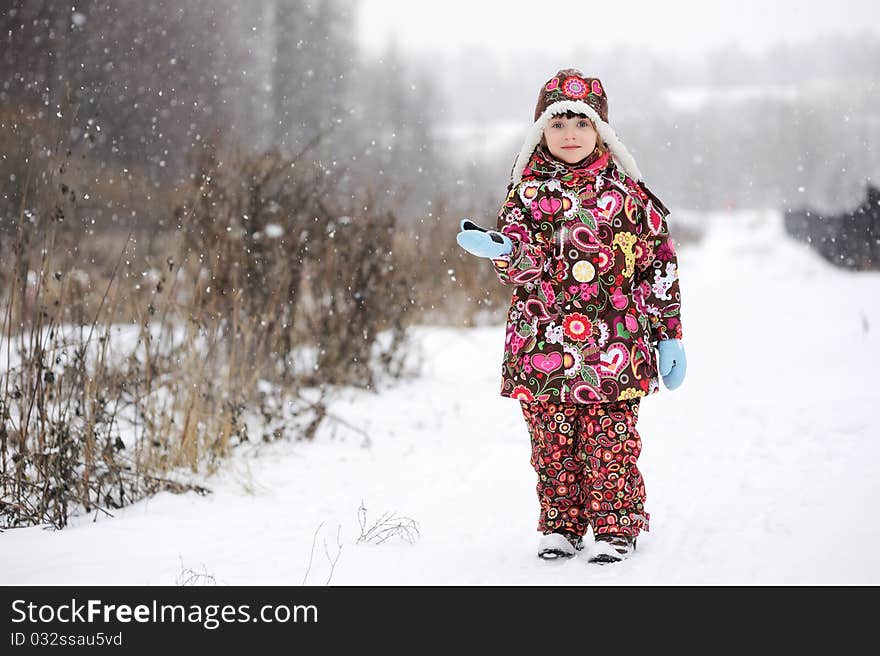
column 595, row 282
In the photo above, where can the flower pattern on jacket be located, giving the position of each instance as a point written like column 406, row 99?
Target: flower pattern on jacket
column 595, row 280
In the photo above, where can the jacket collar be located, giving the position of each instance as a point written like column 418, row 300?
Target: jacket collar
column 542, row 166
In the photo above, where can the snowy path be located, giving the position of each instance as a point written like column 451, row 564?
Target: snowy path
column 760, row 469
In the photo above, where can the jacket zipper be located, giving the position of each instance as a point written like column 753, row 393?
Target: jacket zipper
column 561, row 233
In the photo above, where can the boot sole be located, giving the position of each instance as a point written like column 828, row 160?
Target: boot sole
column 555, row 554
column 604, row 559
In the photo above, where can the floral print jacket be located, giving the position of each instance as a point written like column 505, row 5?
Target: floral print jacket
column 595, row 280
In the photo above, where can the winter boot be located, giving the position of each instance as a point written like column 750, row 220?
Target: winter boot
column 612, row 548
column 559, row 545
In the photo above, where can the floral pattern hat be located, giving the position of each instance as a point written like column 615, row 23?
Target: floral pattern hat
column 571, row 90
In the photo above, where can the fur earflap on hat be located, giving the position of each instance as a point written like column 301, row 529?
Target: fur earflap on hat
column 571, row 90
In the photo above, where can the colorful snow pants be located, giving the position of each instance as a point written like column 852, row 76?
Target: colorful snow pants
column 585, row 456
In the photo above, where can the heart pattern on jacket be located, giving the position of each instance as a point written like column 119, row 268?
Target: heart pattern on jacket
column 609, row 204
column 549, row 205
column 615, row 358
column 547, row 363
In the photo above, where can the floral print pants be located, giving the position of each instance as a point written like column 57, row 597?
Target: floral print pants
column 585, row 456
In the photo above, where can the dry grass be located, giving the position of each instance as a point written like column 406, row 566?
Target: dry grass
column 259, row 270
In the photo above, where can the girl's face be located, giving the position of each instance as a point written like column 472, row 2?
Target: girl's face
column 570, row 139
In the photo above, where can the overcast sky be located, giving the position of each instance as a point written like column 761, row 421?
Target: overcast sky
column 684, row 27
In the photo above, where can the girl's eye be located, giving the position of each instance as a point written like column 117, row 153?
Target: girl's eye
column 583, row 124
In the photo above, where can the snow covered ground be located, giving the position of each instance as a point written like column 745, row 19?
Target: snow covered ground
column 759, row 469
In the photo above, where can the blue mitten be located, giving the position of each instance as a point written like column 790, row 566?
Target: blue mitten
column 673, row 363
column 482, row 242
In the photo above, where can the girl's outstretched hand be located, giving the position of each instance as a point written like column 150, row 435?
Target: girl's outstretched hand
column 673, row 363
column 482, row 242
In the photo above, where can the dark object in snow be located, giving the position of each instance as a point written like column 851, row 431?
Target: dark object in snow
column 850, row 240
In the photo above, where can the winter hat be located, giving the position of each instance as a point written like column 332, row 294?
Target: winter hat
column 571, row 90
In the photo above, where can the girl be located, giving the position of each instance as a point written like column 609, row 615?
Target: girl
column 586, row 248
